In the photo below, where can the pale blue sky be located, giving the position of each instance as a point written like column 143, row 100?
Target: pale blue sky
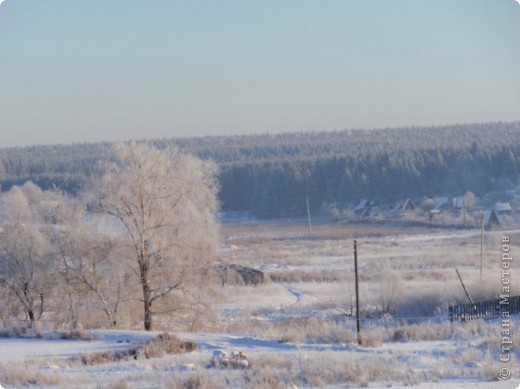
column 73, row 71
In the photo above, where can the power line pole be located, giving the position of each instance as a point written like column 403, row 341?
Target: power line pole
column 481, row 244
column 358, row 314
column 309, row 216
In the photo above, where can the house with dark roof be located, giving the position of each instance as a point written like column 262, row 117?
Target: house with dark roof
column 490, row 219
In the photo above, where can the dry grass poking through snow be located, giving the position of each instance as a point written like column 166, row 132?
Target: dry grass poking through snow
column 22, row 331
column 321, row 370
column 20, row 375
column 160, row 346
column 407, row 276
column 303, row 305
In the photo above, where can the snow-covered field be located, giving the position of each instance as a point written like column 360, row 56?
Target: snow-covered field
column 19, row 350
column 295, row 329
column 51, row 359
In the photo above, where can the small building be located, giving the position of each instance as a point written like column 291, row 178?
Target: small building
column 363, row 209
column 502, row 207
column 402, row 206
column 441, row 204
column 361, row 206
column 490, row 219
column 458, row 202
column 408, row 205
column 440, row 200
column 375, row 215
column 433, row 212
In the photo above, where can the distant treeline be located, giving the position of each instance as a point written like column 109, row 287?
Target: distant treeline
column 271, row 175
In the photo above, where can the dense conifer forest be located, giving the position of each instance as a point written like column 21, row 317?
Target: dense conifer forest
column 271, row 175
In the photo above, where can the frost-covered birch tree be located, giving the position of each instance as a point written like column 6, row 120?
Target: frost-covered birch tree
column 52, row 261
column 165, row 202
column 25, row 265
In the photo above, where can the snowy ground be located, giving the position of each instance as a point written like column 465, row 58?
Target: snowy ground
column 285, row 326
column 49, row 357
column 19, row 350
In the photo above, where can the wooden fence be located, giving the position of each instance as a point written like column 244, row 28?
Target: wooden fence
column 484, row 309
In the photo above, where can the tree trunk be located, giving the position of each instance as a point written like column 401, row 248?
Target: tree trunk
column 147, row 300
column 148, row 324
column 29, row 304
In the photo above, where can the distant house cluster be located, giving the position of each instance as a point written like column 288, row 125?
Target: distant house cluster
column 367, row 209
column 433, row 210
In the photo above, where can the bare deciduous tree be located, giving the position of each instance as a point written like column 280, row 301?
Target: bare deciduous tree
column 165, row 202
column 53, row 260
column 24, row 251
column 22, row 258
column 89, row 272
column 470, row 200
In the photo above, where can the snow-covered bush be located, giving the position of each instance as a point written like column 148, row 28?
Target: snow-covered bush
column 235, row 360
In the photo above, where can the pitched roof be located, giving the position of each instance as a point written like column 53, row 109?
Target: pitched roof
column 502, row 207
column 490, row 217
column 362, row 204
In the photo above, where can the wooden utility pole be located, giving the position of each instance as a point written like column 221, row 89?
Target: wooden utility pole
column 358, row 313
column 481, row 244
column 464, row 216
column 309, row 216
